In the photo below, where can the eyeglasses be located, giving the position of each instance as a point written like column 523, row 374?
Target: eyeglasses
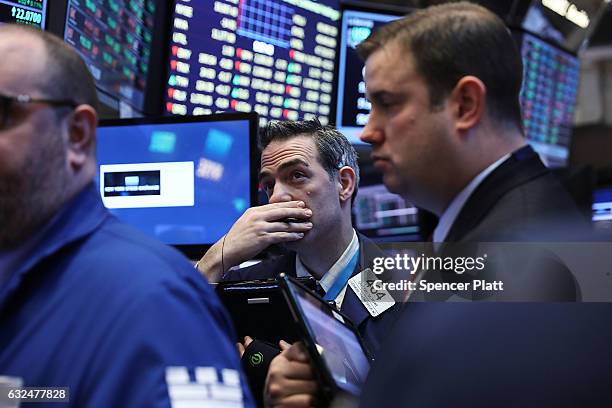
column 6, row 101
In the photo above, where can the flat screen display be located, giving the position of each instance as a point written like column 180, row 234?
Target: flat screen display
column 353, row 108
column 184, row 183
column 548, row 98
column 114, row 38
column 274, row 57
column 602, row 208
column 385, row 216
column 28, row 12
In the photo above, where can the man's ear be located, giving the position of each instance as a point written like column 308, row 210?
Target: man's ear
column 468, row 102
column 346, row 181
column 82, row 124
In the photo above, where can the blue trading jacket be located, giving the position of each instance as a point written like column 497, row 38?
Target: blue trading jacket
column 117, row 317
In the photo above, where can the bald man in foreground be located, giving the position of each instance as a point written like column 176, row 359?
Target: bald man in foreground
column 86, row 302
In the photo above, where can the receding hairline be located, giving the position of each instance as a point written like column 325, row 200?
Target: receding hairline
column 66, row 73
column 24, row 34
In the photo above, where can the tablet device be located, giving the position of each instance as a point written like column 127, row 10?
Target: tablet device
column 337, row 350
column 258, row 309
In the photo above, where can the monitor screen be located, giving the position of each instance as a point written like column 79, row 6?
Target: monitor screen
column 352, row 108
column 602, row 208
column 28, row 12
column 114, row 38
column 274, row 57
column 548, row 98
column 385, row 216
column 184, row 181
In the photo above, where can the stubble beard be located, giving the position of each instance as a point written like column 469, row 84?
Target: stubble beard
column 30, row 197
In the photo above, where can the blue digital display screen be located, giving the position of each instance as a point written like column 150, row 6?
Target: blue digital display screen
column 602, row 205
column 182, row 183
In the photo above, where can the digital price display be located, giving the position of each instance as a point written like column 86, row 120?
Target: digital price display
column 28, row 12
column 548, row 98
column 274, row 57
column 114, row 38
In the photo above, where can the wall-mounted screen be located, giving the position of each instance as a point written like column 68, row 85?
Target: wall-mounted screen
column 28, row 12
column 548, row 98
column 114, row 38
column 352, row 106
column 274, row 57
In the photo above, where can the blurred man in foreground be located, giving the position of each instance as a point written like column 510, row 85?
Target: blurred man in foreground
column 87, row 302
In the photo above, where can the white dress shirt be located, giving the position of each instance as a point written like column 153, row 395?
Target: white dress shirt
column 331, row 275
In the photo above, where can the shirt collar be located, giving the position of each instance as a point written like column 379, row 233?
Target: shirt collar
column 450, row 214
column 330, row 276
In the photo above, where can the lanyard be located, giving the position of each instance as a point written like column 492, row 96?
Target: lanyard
column 342, row 279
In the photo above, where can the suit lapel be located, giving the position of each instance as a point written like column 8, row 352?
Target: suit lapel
column 521, row 167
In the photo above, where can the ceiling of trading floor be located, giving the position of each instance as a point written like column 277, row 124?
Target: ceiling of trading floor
column 603, row 31
column 602, row 34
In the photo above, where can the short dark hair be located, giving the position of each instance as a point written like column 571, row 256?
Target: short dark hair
column 450, row 41
column 335, row 151
column 67, row 76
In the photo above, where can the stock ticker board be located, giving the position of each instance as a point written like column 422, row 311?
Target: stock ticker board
column 28, row 12
column 114, row 38
column 274, row 57
column 548, row 98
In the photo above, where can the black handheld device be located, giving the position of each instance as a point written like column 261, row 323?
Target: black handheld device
column 339, row 356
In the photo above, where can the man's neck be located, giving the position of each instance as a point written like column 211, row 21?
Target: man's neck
column 450, row 214
column 318, row 259
column 482, row 156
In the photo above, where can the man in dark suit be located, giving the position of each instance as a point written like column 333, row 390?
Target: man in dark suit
column 310, row 174
column 447, row 134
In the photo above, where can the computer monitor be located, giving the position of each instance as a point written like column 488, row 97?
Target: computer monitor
column 115, row 39
column 352, row 109
column 377, row 213
column 602, row 208
column 274, row 57
column 384, row 216
column 30, row 12
column 548, row 97
column 182, row 180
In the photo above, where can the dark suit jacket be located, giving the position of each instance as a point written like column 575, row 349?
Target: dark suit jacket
column 521, row 200
column 372, row 329
column 499, row 354
column 511, row 213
